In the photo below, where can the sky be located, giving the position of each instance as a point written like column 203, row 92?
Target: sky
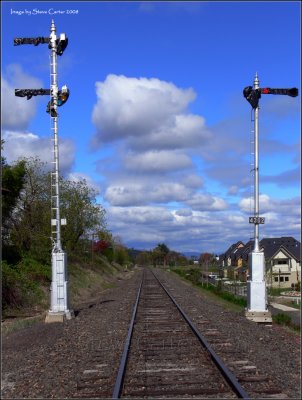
column 156, row 120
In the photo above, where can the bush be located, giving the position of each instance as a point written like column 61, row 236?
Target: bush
column 282, row 319
column 10, row 254
column 11, row 287
column 35, row 271
column 21, row 283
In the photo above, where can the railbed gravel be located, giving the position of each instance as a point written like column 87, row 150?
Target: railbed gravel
column 49, row 360
column 274, row 351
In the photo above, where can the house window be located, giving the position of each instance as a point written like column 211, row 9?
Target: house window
column 286, row 279
column 281, row 262
column 281, row 279
column 276, row 278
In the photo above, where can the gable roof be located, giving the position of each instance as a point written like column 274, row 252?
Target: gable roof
column 244, row 251
column 269, row 246
column 232, row 249
column 272, row 245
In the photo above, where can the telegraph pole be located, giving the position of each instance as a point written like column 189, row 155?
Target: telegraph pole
column 256, row 285
column 59, row 307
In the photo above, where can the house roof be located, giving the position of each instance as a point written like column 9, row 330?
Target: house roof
column 244, row 251
column 270, row 246
column 232, row 249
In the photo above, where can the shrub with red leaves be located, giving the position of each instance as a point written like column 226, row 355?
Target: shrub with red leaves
column 100, row 246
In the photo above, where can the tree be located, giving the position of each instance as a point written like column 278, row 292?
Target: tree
column 30, row 219
column 208, row 260
column 159, row 254
column 83, row 214
column 144, row 258
column 29, row 222
column 121, row 255
column 12, row 183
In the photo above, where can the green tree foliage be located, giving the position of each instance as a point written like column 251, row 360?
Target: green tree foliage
column 160, row 253
column 12, row 183
column 29, row 228
column 121, row 255
column 208, row 260
column 13, row 177
column 144, row 258
column 30, row 220
column 20, row 283
column 83, row 214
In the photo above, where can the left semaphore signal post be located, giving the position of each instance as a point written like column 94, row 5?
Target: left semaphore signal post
column 59, row 299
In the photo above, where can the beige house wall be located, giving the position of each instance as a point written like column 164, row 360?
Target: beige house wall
column 283, row 275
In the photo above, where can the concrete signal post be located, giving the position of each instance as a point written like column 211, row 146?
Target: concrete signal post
column 257, row 310
column 59, row 307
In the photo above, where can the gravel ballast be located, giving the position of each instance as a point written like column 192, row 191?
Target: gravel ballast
column 274, row 350
column 49, row 360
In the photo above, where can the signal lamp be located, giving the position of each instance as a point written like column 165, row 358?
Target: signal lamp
column 63, row 96
column 62, row 43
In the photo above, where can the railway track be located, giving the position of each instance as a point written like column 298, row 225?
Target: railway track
column 165, row 356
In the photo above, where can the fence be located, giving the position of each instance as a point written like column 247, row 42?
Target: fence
column 235, row 287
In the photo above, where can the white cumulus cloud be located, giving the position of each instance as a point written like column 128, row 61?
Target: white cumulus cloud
column 23, row 145
column 17, row 112
column 207, row 202
column 134, row 194
column 149, row 113
column 157, row 161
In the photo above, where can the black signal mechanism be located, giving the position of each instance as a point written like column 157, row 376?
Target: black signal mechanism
column 293, row 92
column 63, row 96
column 29, row 93
column 62, row 43
column 252, row 95
column 34, row 41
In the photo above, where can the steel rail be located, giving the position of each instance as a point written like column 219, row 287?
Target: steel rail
column 230, row 378
column 122, row 368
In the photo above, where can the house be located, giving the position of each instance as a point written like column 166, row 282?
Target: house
column 226, row 259
column 240, row 261
column 282, row 261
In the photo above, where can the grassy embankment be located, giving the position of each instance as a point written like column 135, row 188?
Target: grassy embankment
column 193, row 275
column 26, row 287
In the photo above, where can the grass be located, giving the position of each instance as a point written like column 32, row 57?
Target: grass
column 226, row 299
column 295, row 305
column 193, row 275
column 278, row 291
column 18, row 324
column 89, row 280
column 285, row 320
column 26, row 287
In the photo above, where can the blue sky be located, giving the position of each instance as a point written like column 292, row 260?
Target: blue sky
column 156, row 120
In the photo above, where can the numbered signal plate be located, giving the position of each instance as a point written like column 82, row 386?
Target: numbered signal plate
column 256, row 220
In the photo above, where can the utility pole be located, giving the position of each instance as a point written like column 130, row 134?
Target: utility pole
column 59, row 307
column 256, row 285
